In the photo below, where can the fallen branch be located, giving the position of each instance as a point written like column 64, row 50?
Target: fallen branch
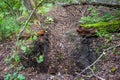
column 100, row 24
column 104, row 52
column 96, row 75
column 110, row 26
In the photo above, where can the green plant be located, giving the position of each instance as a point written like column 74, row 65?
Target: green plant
column 40, row 59
column 23, row 44
column 102, row 33
column 45, row 8
column 103, row 24
column 113, row 69
column 49, row 20
column 95, row 18
column 24, row 48
column 94, row 68
column 117, row 53
column 10, row 7
column 33, row 38
column 109, row 38
column 7, row 76
column 104, row 46
column 14, row 76
column 20, row 68
column 118, row 34
column 59, row 57
column 16, row 58
column 20, row 77
column 12, row 60
column 8, row 26
column 92, row 18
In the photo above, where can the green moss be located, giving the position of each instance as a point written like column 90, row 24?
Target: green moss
column 111, row 26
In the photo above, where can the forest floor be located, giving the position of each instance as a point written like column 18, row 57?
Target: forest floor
column 60, row 61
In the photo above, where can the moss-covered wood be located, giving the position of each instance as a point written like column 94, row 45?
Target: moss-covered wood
column 111, row 26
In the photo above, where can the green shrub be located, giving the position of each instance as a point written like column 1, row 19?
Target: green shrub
column 14, row 76
column 94, row 20
column 8, row 26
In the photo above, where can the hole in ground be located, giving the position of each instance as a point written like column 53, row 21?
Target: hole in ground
column 82, row 56
column 64, row 51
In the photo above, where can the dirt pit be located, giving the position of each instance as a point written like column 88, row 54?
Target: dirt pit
column 68, row 51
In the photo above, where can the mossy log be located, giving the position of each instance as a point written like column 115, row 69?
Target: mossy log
column 111, row 26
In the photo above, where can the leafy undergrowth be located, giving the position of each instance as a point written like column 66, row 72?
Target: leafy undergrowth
column 41, row 57
column 8, row 27
column 102, row 23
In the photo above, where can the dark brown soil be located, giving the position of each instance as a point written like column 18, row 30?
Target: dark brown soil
column 65, row 51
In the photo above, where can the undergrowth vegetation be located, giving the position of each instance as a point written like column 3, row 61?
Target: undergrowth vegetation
column 14, row 76
column 106, row 23
column 8, row 27
column 11, row 13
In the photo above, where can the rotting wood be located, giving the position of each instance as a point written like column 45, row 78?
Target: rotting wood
column 110, row 26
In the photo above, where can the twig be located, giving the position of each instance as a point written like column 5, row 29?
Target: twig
column 93, row 63
column 26, row 23
column 104, row 52
column 96, row 75
column 29, row 19
column 112, row 47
